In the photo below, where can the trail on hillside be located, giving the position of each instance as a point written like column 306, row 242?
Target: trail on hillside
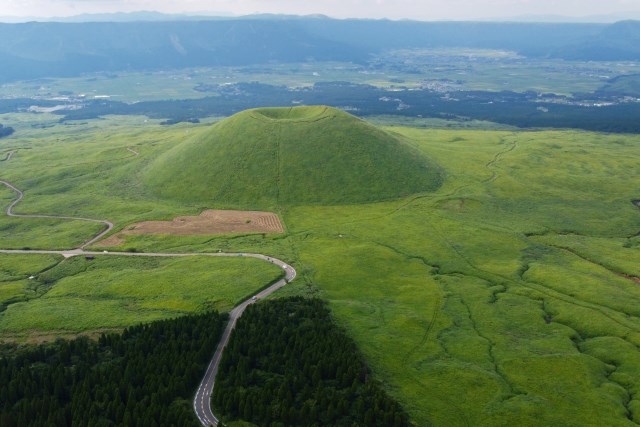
column 202, row 399
column 9, row 211
column 496, row 159
column 20, row 193
column 8, row 156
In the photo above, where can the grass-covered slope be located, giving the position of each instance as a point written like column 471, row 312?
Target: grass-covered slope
column 268, row 157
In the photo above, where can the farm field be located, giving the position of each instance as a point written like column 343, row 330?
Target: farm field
column 208, row 222
column 506, row 296
column 466, row 69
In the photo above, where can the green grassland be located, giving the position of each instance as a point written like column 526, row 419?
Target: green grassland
column 15, row 271
column 86, row 171
column 115, row 292
column 504, row 297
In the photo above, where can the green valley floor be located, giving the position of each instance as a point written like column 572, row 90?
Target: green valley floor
column 509, row 296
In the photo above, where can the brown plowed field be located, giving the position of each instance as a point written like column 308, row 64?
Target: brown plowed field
column 208, row 222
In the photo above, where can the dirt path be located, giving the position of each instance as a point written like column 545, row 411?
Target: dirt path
column 496, row 159
column 9, row 156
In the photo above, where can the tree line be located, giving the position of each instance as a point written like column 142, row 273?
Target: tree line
column 144, row 376
column 522, row 110
column 288, row 364
column 5, row 131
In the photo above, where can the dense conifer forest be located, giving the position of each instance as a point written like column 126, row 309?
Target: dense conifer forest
column 145, row 376
column 288, row 364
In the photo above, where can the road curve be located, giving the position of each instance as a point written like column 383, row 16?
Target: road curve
column 9, row 155
column 202, row 399
column 94, row 239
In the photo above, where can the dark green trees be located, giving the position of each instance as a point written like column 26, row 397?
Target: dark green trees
column 287, row 364
column 145, row 376
column 5, row 131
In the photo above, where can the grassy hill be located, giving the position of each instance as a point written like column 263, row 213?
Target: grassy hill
column 508, row 297
column 625, row 85
column 268, row 157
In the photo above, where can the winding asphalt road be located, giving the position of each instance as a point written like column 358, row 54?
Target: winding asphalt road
column 202, row 399
column 21, row 195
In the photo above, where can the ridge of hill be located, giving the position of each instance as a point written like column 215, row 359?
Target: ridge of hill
column 76, row 48
column 616, row 42
column 268, row 157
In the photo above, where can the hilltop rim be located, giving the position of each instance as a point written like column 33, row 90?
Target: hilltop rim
column 302, row 113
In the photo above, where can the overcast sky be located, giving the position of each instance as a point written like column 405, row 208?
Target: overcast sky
column 393, row 9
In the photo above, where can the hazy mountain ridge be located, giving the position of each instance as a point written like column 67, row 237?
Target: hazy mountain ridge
column 619, row 41
column 150, row 15
column 549, row 18
column 75, row 48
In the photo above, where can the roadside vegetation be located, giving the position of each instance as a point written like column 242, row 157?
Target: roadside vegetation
column 111, row 292
column 508, row 296
column 144, row 376
column 15, row 273
column 288, row 364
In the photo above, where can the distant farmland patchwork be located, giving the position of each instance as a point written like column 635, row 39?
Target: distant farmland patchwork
column 489, row 277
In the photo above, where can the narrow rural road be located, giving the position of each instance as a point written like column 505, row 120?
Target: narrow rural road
column 202, row 399
column 8, row 157
column 21, row 195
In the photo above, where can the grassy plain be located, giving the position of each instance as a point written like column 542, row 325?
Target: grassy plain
column 506, row 297
column 115, row 292
column 15, row 271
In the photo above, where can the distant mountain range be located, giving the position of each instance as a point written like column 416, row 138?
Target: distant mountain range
column 50, row 49
column 587, row 19
column 149, row 16
column 159, row 16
